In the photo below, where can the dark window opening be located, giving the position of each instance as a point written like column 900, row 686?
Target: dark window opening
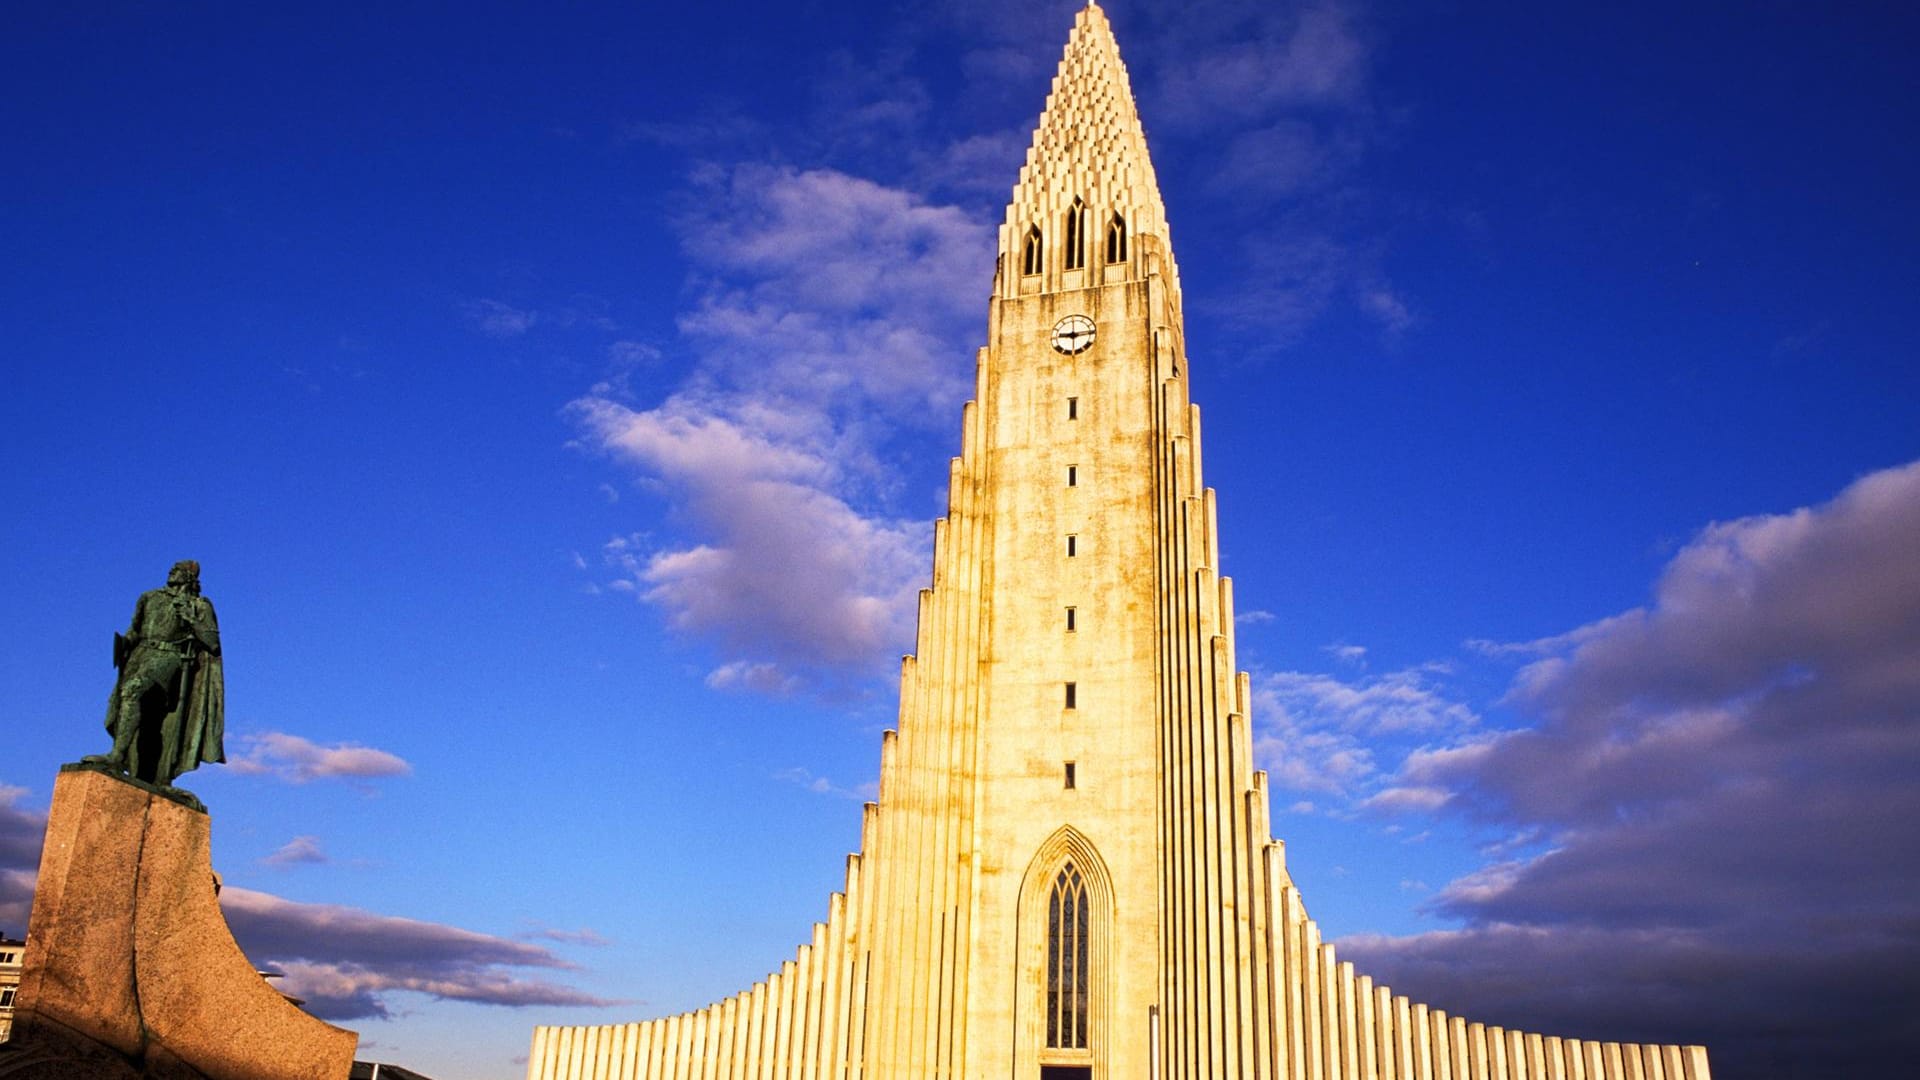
column 1073, row 475
column 1076, row 250
column 1069, row 776
column 1072, row 547
column 1073, row 408
column 1070, row 620
column 1030, row 259
column 1072, row 695
column 1066, row 1072
column 1117, row 239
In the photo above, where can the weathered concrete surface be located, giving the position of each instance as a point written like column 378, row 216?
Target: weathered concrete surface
column 131, row 959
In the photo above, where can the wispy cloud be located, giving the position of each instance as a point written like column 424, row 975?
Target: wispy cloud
column 347, row 963
column 1348, row 654
column 1320, row 733
column 1241, row 61
column 299, row 851
column 1725, row 780
column 1271, row 109
column 761, row 678
column 582, row 936
column 821, row 785
column 831, row 319
column 496, row 319
column 297, row 760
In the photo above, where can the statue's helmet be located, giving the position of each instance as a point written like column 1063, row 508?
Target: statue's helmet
column 184, row 571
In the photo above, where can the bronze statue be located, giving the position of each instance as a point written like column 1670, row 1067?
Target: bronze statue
column 167, row 712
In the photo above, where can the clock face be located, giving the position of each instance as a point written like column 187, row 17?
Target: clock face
column 1073, row 334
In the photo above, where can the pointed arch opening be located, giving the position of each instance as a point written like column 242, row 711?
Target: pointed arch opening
column 1076, row 232
column 1033, row 255
column 1065, row 926
column 1117, row 239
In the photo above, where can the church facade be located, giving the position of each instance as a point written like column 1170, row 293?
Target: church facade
column 1069, row 872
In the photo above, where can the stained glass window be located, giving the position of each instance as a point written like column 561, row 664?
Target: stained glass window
column 1067, row 962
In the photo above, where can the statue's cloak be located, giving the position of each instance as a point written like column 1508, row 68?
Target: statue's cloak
column 204, row 727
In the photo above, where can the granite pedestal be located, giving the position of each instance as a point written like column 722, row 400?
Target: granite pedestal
column 131, row 970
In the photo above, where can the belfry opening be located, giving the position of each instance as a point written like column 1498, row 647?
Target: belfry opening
column 1069, row 871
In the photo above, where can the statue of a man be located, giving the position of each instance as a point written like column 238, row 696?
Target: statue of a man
column 167, row 712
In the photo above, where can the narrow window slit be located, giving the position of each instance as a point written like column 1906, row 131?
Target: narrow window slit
column 1076, row 249
column 1073, row 476
column 1073, row 408
column 1070, row 784
column 1072, row 546
column 1073, row 695
column 1070, row 621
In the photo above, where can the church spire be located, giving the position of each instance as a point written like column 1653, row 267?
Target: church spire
column 1087, row 199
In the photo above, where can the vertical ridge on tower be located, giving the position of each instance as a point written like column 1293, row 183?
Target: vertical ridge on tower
column 1069, row 871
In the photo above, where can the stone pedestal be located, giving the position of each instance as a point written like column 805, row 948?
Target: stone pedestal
column 130, row 968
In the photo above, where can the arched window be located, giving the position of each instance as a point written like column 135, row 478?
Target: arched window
column 1076, row 235
column 1117, row 239
column 1067, row 962
column 1030, row 259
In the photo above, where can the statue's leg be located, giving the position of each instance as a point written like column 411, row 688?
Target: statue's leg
column 164, row 717
column 126, row 722
column 144, row 711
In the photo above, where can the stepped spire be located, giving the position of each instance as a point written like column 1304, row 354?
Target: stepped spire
column 1089, row 146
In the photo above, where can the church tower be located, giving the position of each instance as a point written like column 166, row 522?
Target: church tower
column 1068, row 874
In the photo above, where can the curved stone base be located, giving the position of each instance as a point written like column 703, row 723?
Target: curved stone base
column 128, row 953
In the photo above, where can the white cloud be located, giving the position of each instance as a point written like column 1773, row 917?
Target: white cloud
column 832, row 320
column 297, row 760
column 1404, row 799
column 1399, row 701
column 299, row 851
column 1320, row 733
column 746, row 675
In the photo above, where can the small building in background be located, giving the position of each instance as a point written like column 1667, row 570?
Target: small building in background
column 10, row 962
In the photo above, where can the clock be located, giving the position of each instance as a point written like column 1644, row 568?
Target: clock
column 1073, row 334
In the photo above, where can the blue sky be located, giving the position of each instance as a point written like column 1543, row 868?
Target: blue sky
column 558, row 402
